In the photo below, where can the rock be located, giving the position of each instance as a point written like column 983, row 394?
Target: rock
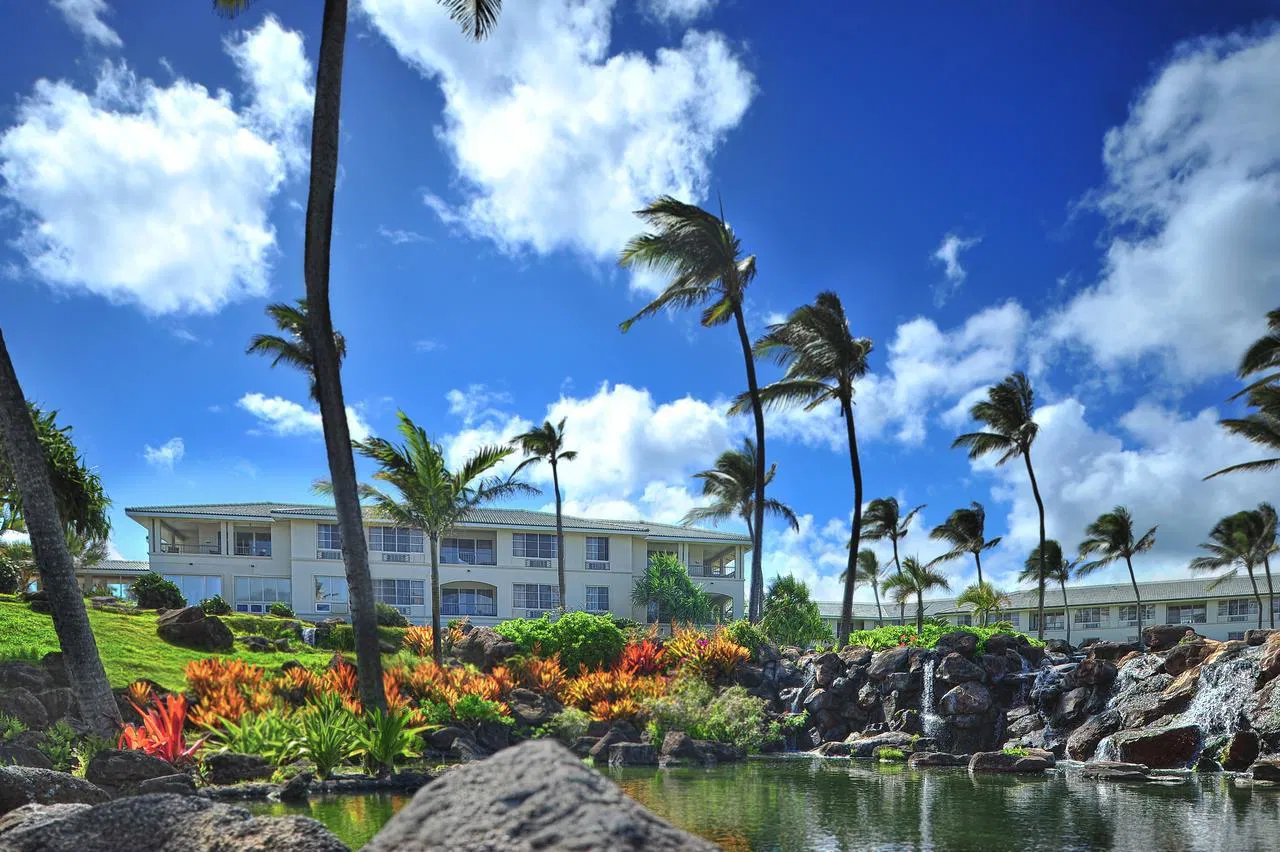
column 1084, row 740
column 965, row 699
column 25, row 707
column 493, row 736
column 1266, row 770
column 466, row 748
column 1187, row 655
column 1110, row 770
column 1240, row 751
column 15, row 674
column 1162, row 637
column 58, row 702
column 38, row 601
column 1257, row 637
column 632, row 754
column 442, row 739
column 865, row 747
column 995, row 665
column 582, row 746
column 177, row 784
column 1000, row 761
column 170, row 823
column 21, row 754
column 819, row 700
column 956, row 669
column 621, row 732
column 1072, row 705
column 1142, row 709
column 484, row 647
column 957, row 641
column 532, row 709
column 1058, row 646
column 887, row 662
column 1024, row 725
column 1095, row 672
column 1111, row 651
column 1263, row 713
column 856, row 655
column 1170, row 747
column 258, row 644
column 1000, row 643
column 1269, row 661
column 835, row 749
column 748, row 675
column 922, row 759
column 534, row 796
column 679, row 744
column 297, row 788
column 229, row 767
column 119, row 772
column 26, row 785
column 30, row 816
column 191, row 628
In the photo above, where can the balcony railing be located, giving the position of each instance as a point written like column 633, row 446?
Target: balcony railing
column 203, row 549
column 491, row 610
column 697, row 569
column 263, row 550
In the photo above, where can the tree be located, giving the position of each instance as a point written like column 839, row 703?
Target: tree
column 37, row 477
column 1048, row 565
column 731, row 485
column 1237, row 541
column 985, row 599
column 665, row 584
column 1008, row 412
column 1263, row 393
column 546, row 443
column 1267, row 543
column 17, row 561
column 883, row 519
column 790, row 617
column 914, row 578
column 1110, row 537
column 1262, row 355
column 292, row 346
column 703, row 257
column 869, row 566
column 430, row 496
column 965, row 531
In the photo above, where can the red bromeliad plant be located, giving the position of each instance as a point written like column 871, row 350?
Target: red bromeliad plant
column 140, row 693
column 161, row 733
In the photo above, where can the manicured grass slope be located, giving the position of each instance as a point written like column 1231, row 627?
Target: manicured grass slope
column 128, row 644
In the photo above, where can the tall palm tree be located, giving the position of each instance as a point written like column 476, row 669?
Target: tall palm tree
column 429, row 496
column 985, row 599
column 822, row 361
column 1237, row 541
column 731, row 485
column 869, row 573
column 1110, row 537
column 914, row 578
column 965, row 531
column 1048, row 565
column 883, row 519
column 32, row 471
column 1008, row 412
column 1261, row 427
column 546, row 443
column 292, row 346
column 1267, row 544
column 703, row 257
column 1262, row 355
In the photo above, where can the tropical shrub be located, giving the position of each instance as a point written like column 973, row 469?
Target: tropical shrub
column 10, row 577
column 594, row 690
column 580, row 638
column 341, row 637
column 161, row 733
column 642, row 658
column 541, row 674
column 59, row 745
column 419, row 640
column 746, row 634
column 272, row 734
column 140, row 693
column 88, row 748
column 327, row 733
column 389, row 616
column 692, row 706
column 383, row 738
column 711, row 657
column 893, row 636
column 10, row 727
column 216, row 605
column 152, row 591
column 790, row 617
column 468, row 710
column 891, row 755
column 280, row 609
column 569, row 724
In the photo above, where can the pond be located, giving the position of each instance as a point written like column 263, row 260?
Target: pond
column 804, row 803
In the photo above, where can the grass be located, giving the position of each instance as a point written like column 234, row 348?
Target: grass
column 129, row 646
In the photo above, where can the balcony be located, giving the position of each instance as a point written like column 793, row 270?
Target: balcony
column 207, row 549
column 712, row 571
column 260, row 549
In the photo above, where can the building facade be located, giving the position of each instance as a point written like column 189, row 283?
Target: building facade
column 498, row 564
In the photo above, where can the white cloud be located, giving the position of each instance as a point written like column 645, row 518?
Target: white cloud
column 85, row 16
column 948, row 254
column 476, row 402
column 152, row 195
column 556, row 139
column 399, row 237
column 166, row 455
column 427, row 345
column 1193, row 196
column 284, row 417
column 678, row 11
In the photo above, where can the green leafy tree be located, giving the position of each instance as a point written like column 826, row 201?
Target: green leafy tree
column 546, row 443
column 292, row 345
column 1237, row 541
column 665, row 583
column 913, row 579
column 869, row 573
column 965, row 530
column 1111, row 538
column 1267, row 543
column 17, row 565
column 703, row 257
column 430, row 497
column 1048, row 565
column 1008, row 412
column 822, row 361
column 790, row 617
column 985, row 599
column 883, row 519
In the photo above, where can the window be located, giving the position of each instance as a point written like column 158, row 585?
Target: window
column 533, row 546
column 597, row 598
column 467, row 551
column 468, row 602
column 1089, row 614
column 1237, row 609
column 396, row 592
column 1129, row 615
column 1052, row 621
column 395, row 539
column 1014, row 618
column 330, row 591
column 257, row 594
column 535, row 596
column 328, row 537
column 597, row 548
column 1239, row 634
column 195, row 587
column 964, row 620
column 1186, row 613
column 253, row 542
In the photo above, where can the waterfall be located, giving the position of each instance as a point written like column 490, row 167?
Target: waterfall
column 797, row 703
column 309, row 636
column 1223, row 690
column 931, row 722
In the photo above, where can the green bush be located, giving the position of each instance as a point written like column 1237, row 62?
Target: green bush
column 891, row 755
column 88, row 748
column 152, row 591
column 790, row 617
column 734, row 716
column 893, row 636
column 384, row 738
column 261, row 625
column 580, row 638
column 269, row 734
column 280, row 609
column 59, row 746
column 389, row 616
column 746, row 634
column 569, row 724
column 470, row 711
column 216, row 605
column 343, row 638
column 10, row 727
column 326, row 734
column 10, row 577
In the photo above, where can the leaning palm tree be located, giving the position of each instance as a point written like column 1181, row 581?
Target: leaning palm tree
column 1263, row 355
column 985, row 599
column 292, row 346
column 822, row 361
column 1110, row 537
column 914, row 579
column 1267, row 545
column 703, row 257
column 883, row 519
column 1262, row 427
column 731, row 486
column 429, row 496
column 546, row 443
column 1008, row 412
column 965, row 531
column 1237, row 541
column 869, row 572
column 1048, row 565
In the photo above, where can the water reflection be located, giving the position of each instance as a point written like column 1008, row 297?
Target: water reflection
column 355, row 819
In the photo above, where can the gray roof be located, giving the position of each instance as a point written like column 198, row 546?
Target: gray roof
column 118, row 566
column 477, row 517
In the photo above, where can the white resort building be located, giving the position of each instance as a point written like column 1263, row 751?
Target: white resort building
column 498, row 564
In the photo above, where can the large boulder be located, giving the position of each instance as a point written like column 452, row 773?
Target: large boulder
column 956, row 669
column 167, row 823
column 1112, row 650
column 620, row 732
column 25, row 785
column 229, row 767
column 1170, row 747
column 1162, row 637
column 1269, row 661
column 1240, row 751
column 1084, row 740
column 922, row 759
column 15, row 674
column 120, row 771
column 22, row 704
column 59, row 702
column 632, row 754
column 534, row 796
column 826, row 668
column 888, row 662
column 1095, row 672
column 1266, row 770
column 1263, row 713
column 1111, row 770
column 1003, row 761
column 679, row 744
column 484, row 647
column 1187, row 655
column 532, row 709
column 20, row 753
column 191, row 628
column 958, row 641
column 970, row 698
column 865, row 747
column 856, row 655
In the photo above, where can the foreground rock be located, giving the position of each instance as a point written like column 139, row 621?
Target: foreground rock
column 191, row 628
column 1002, row 761
column 121, row 772
column 1112, row 770
column 24, row 785
column 533, row 796
column 232, row 768
column 1160, row 748
column 166, row 824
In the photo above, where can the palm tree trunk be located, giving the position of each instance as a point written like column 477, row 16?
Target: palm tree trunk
column 555, row 480
column 1253, row 581
column 1136, row 595
column 757, row 570
column 977, row 557
column 855, row 534
column 1035, row 491
column 328, row 379
column 1066, row 612
column 437, row 653
column 21, row 446
column 902, row 605
column 919, row 613
column 1271, row 595
column 875, row 590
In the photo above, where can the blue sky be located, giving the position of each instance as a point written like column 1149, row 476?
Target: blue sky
column 1087, row 193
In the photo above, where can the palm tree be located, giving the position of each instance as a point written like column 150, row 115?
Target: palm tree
column 430, row 496
column 1048, row 565
column 1237, row 541
column 1111, row 538
column 883, row 519
column 665, row 583
column 1261, row 427
column 1267, row 544
column 41, row 470
column 965, row 531
column 822, row 361
column 1262, row 355
column 984, row 598
column 869, row 566
column 914, row 578
column 731, row 485
column 292, row 346
column 546, row 443
column 704, row 258
column 1008, row 413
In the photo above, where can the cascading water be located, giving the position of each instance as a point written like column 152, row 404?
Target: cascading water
column 309, row 636
column 931, row 721
column 1221, row 695
column 797, row 703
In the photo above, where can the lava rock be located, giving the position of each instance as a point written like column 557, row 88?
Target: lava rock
column 679, row 744
column 965, row 699
column 1161, row 637
column 19, row 675
column 532, row 709
column 621, row 732
column 1188, row 655
column 1111, row 650
column 888, row 662
column 1240, row 751
column 864, row 747
column 22, row 754
column 119, row 772
column 229, row 767
column 192, row 628
column 177, row 784
column 582, row 746
column 836, row 749
column 442, row 739
column 25, row 707
column 1170, row 747
column 956, row 669
column 1058, row 646
column 1269, row 662
column 1266, row 770
column 1257, row 637
column 826, row 668
column 484, row 647
column 1000, row 761
column 957, row 641
column 1095, row 672
column 1000, row 643
column 26, row 785
column 922, row 759
column 297, row 788
column 632, row 754
column 1084, row 740
column 856, row 655
column 1111, row 770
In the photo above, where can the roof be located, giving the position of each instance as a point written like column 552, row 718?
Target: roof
column 486, row 517
column 118, row 566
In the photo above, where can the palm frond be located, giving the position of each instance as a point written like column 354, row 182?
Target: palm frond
column 476, row 17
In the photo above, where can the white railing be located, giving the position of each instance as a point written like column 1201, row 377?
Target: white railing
column 596, row 565
column 202, row 549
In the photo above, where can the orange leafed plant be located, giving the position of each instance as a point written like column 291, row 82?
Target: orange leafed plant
column 591, row 688
column 205, row 676
column 540, row 674
column 711, row 657
column 140, row 693
column 161, row 732
column 642, row 658
column 612, row 711
column 342, row 679
column 418, row 640
column 397, row 701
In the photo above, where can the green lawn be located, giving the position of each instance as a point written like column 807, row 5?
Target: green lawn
column 129, row 646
